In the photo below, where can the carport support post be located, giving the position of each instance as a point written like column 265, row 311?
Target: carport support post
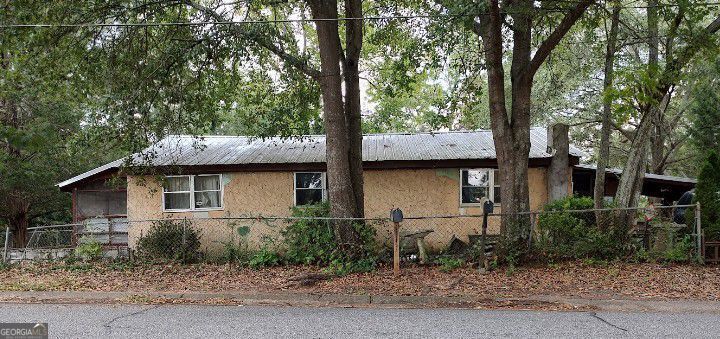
column 698, row 232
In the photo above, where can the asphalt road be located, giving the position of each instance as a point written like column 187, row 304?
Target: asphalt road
column 196, row 321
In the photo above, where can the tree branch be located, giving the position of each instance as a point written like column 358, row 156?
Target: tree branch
column 262, row 41
column 554, row 39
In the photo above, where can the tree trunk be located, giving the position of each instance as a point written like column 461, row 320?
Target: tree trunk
column 511, row 133
column 604, row 149
column 353, row 41
column 340, row 140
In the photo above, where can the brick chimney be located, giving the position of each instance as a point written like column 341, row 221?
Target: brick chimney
column 558, row 145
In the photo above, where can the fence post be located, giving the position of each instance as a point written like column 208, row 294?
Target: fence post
column 7, row 237
column 698, row 232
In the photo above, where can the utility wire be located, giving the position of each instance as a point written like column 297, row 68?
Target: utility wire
column 276, row 21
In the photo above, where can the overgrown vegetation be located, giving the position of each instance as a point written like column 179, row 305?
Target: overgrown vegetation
column 88, row 249
column 312, row 241
column 237, row 250
column 575, row 235
column 169, row 240
column 707, row 193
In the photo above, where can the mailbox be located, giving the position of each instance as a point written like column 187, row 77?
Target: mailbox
column 488, row 207
column 396, row 215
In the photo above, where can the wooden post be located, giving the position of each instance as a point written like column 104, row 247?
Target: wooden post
column 698, row 232
column 396, row 248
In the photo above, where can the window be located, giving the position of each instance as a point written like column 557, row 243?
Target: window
column 192, row 192
column 310, row 188
column 477, row 184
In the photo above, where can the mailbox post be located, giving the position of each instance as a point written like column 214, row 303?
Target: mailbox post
column 488, row 207
column 396, row 216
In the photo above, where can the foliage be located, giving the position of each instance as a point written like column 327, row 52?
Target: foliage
column 450, row 264
column 707, row 192
column 574, row 235
column 265, row 257
column 88, row 249
column 313, row 241
column 237, row 250
column 680, row 251
column 170, row 240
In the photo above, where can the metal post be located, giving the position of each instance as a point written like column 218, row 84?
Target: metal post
column 7, row 237
column 698, row 233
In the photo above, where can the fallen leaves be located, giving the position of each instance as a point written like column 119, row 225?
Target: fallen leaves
column 637, row 281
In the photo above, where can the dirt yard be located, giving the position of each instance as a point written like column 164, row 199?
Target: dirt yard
column 628, row 281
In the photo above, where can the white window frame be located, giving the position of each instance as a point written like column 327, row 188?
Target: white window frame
column 192, row 194
column 490, row 190
column 295, row 188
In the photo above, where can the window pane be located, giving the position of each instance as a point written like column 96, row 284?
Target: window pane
column 308, row 197
column 207, row 199
column 174, row 184
column 472, row 195
column 496, row 195
column 308, row 180
column 475, row 178
column 177, row 201
column 207, row 183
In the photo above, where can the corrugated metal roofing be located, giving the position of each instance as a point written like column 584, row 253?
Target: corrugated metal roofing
column 650, row 176
column 236, row 150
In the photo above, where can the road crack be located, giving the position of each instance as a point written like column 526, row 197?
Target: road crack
column 594, row 315
column 109, row 325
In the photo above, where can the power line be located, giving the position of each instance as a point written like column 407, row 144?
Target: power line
column 279, row 21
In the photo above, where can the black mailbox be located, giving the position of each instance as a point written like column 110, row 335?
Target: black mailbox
column 396, row 215
column 488, row 207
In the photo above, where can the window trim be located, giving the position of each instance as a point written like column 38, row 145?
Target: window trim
column 490, row 190
column 192, row 194
column 324, row 189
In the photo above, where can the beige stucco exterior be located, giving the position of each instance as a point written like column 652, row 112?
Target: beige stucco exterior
column 418, row 192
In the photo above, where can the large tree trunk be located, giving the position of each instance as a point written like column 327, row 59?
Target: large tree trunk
column 341, row 139
column 604, row 149
column 511, row 132
column 353, row 42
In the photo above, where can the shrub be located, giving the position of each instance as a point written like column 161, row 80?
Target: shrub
column 707, row 192
column 575, row 235
column 680, row 251
column 312, row 241
column 88, row 249
column 450, row 264
column 265, row 257
column 170, row 240
column 237, row 250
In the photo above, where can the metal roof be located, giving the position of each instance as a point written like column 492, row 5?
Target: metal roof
column 649, row 176
column 181, row 150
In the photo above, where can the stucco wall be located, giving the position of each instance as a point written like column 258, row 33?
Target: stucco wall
column 421, row 192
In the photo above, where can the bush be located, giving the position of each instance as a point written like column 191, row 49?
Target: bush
column 312, row 241
column 88, row 249
column 450, row 264
column 679, row 252
column 170, row 240
column 265, row 257
column 237, row 250
column 575, row 235
column 707, row 192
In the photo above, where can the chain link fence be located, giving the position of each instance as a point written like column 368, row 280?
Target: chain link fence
column 422, row 238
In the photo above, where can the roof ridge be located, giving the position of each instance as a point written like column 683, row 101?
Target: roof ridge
column 322, row 135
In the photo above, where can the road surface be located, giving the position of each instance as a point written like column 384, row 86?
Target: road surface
column 199, row 321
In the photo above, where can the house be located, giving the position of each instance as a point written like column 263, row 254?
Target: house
column 229, row 176
column 424, row 174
